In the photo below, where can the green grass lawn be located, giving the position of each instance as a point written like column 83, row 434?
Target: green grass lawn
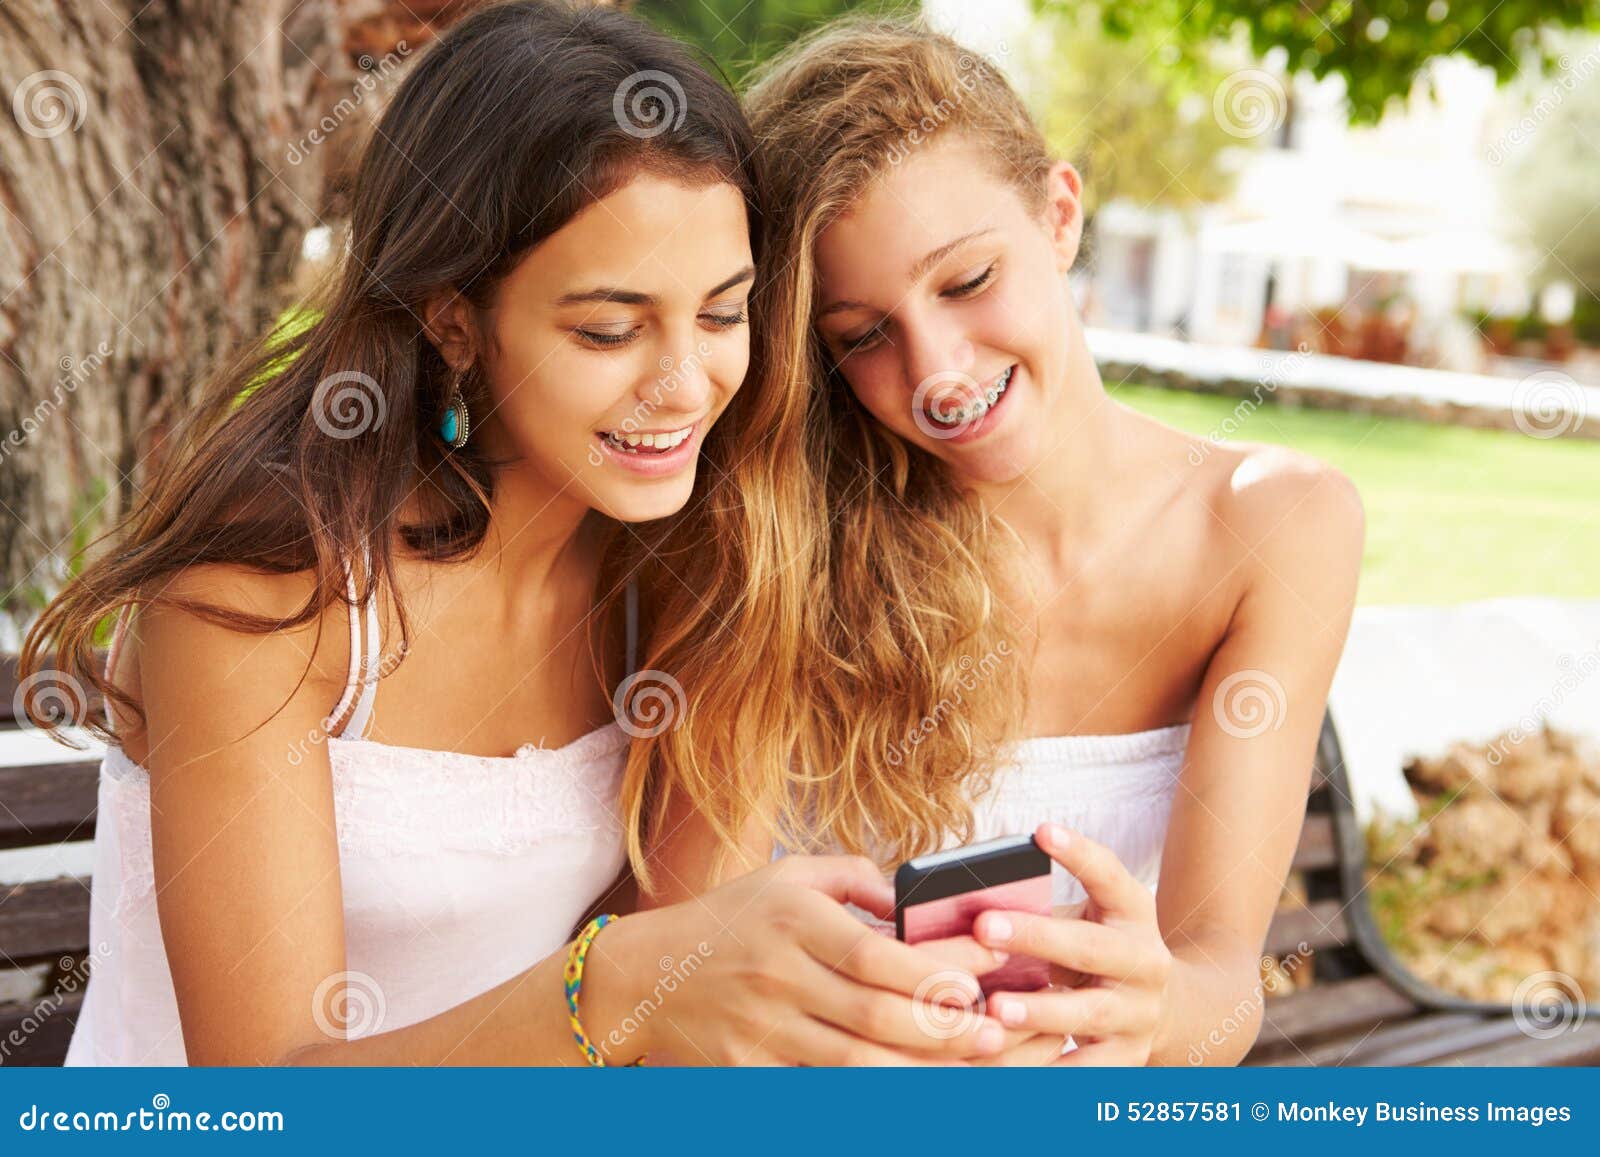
column 1452, row 513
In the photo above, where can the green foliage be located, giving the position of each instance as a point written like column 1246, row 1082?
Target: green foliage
column 1131, row 112
column 294, row 321
column 89, row 520
column 1379, row 46
column 1552, row 180
column 739, row 35
column 1586, row 318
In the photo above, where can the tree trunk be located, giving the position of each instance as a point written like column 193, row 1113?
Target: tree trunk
column 155, row 187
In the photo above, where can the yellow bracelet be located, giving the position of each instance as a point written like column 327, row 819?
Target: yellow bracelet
column 572, row 975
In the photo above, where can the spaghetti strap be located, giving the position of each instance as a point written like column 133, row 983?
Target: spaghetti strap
column 361, row 684
column 113, row 649
column 361, row 717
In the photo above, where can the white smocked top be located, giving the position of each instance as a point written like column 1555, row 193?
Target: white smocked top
column 458, row 872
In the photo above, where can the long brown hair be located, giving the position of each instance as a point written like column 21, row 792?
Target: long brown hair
column 916, row 676
column 302, row 452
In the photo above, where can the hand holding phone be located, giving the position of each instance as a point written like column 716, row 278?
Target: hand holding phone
column 940, row 895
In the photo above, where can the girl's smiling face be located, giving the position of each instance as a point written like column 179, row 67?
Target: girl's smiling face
column 943, row 300
column 618, row 341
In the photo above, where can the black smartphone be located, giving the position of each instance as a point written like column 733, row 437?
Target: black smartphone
column 941, row 894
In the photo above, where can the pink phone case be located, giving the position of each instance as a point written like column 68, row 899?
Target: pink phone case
column 954, row 916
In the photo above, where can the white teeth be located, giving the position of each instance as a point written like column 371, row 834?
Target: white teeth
column 971, row 413
column 634, row 443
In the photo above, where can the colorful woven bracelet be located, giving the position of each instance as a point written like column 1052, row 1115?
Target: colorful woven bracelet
column 572, row 974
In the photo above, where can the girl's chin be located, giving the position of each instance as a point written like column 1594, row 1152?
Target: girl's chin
column 1000, row 460
column 648, row 501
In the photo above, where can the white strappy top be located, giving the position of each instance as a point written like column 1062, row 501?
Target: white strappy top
column 1115, row 789
column 458, row 872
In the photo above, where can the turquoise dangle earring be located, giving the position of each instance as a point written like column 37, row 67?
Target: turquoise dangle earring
column 456, row 425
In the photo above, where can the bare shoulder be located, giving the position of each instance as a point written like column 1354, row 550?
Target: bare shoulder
column 183, row 656
column 167, row 617
column 1300, row 519
column 1273, row 493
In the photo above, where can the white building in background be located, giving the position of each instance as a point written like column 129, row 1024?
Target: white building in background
column 1324, row 215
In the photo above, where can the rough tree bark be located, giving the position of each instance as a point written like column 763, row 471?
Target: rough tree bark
column 149, row 218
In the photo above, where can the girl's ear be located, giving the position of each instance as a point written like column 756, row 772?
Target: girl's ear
column 1063, row 212
column 447, row 320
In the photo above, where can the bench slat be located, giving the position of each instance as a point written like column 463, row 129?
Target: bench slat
column 1424, row 1038
column 44, row 1028
column 44, row 920
column 8, row 689
column 1453, row 1037
column 1357, row 1046
column 47, row 803
column 1304, row 1018
column 1580, row 1046
column 1317, row 848
column 1320, row 924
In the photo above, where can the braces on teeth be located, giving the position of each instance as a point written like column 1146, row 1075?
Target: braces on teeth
column 634, row 443
column 975, row 410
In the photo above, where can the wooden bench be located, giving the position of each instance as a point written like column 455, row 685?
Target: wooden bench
column 1362, row 1009
column 44, row 924
column 1363, row 1006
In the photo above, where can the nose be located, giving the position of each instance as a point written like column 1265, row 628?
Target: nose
column 932, row 349
column 683, row 385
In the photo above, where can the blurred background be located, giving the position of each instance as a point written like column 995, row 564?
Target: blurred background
column 1305, row 215
column 1364, row 228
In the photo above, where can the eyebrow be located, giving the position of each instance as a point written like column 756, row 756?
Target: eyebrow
column 606, row 294
column 918, row 270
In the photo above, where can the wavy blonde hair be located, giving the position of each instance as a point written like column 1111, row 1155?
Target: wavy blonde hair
column 724, row 591
column 915, row 677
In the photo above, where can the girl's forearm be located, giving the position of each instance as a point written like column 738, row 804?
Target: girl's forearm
column 1213, row 1006
column 523, row 1021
